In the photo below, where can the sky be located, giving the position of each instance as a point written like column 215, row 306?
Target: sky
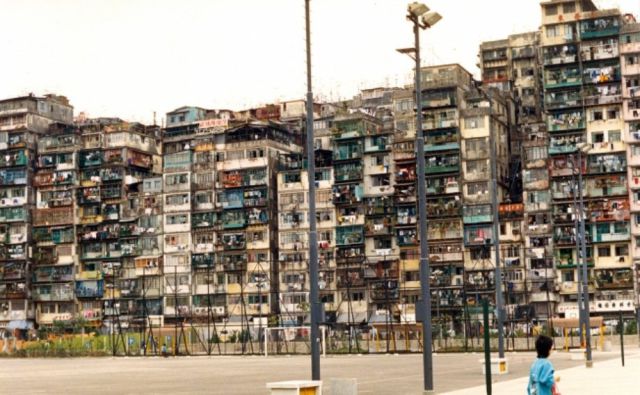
column 131, row 58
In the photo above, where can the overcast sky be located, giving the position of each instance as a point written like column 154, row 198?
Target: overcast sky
column 129, row 58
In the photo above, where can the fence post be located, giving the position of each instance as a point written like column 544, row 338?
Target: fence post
column 622, row 338
column 487, row 345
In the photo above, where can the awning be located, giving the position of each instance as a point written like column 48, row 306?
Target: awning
column 20, row 324
column 354, row 318
column 570, row 323
column 379, row 318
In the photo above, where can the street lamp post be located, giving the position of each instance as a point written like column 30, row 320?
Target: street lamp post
column 422, row 19
column 584, row 300
column 581, row 253
column 493, row 139
column 314, row 300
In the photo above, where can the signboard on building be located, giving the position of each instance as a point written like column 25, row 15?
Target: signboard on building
column 213, row 124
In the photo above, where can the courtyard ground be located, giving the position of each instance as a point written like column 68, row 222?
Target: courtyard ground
column 376, row 374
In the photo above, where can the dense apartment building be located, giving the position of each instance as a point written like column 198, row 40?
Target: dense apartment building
column 514, row 66
column 630, row 65
column 117, row 276
column 23, row 122
column 207, row 219
column 220, row 214
column 55, row 261
column 583, row 103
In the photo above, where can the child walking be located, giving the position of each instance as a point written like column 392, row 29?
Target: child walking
column 541, row 380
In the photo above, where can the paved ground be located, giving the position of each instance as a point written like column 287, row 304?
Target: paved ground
column 376, row 374
column 605, row 377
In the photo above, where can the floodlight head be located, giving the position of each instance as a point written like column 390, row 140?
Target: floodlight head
column 431, row 18
column 416, row 9
column 406, row 51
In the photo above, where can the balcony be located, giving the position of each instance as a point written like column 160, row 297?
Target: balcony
column 600, row 27
column 18, row 158
column 565, row 121
column 378, row 228
column 13, row 214
column 203, row 220
column 90, row 289
column 233, row 219
column 348, row 235
column 235, row 241
column 444, row 230
column 13, row 272
column 478, row 235
column 561, row 100
column 562, row 78
column 438, row 100
column 348, row 151
column 618, row 231
column 442, row 164
column 13, row 177
column 538, row 229
column 591, row 51
column 606, row 279
column 90, row 159
column 347, row 194
column 348, row 172
column 53, row 292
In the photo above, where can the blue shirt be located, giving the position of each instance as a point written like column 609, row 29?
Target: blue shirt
column 540, row 377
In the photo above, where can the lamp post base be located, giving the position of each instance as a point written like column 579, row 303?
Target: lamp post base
column 499, row 366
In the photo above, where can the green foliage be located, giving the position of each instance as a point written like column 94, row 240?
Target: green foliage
column 631, row 327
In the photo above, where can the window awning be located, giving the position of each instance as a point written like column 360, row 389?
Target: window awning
column 354, row 318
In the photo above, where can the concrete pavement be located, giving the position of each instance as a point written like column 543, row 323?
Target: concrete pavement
column 376, row 374
column 605, row 377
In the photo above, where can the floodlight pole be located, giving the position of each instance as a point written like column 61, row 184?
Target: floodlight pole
column 584, row 301
column 493, row 140
column 314, row 300
column 425, row 291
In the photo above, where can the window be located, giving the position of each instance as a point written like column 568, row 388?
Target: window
column 480, row 253
column 178, row 219
column 604, row 251
column 568, row 8
column 568, row 276
column 477, row 167
column 474, row 122
column 614, row 136
column 552, row 31
column 231, row 155
column 291, row 177
column 620, row 227
column 357, row 296
column 175, row 200
column 256, row 299
column 551, row 10
column 597, row 115
column 477, row 188
column 379, row 160
column 622, row 250
column 597, row 137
